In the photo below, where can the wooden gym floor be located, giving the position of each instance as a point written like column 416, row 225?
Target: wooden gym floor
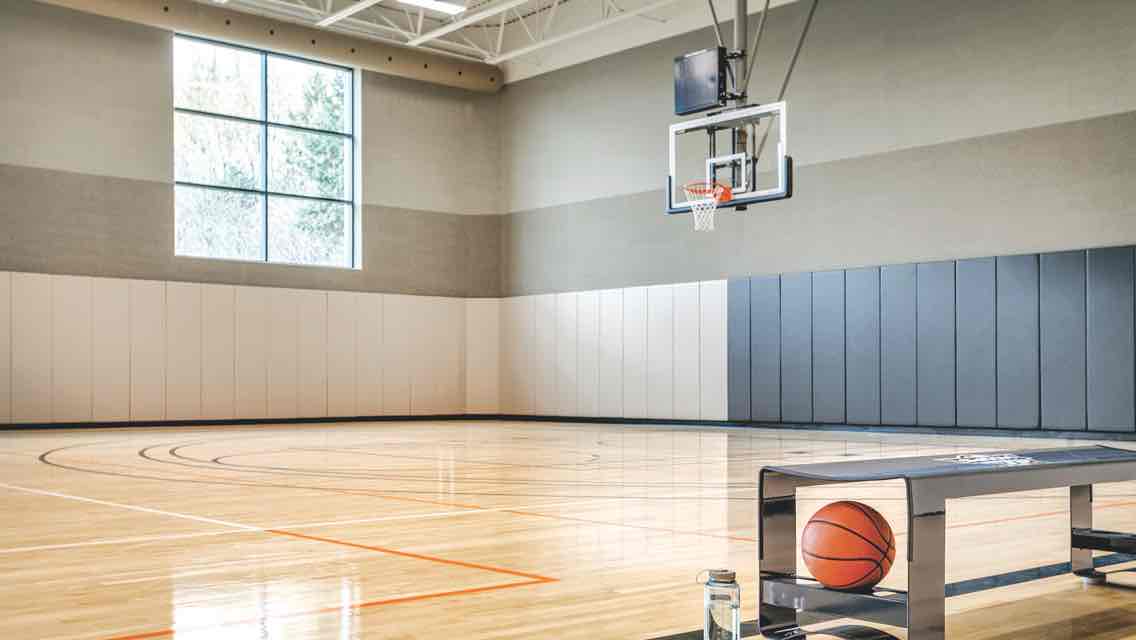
column 468, row 530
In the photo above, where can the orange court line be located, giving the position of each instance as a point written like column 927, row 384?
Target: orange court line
column 630, row 526
column 533, row 579
column 417, row 556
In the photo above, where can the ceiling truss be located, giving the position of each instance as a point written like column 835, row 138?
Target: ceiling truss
column 490, row 31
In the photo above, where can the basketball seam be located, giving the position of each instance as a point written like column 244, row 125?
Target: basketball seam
column 852, row 531
column 857, row 580
column 835, row 559
column 890, row 541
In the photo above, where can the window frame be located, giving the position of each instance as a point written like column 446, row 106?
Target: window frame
column 266, row 124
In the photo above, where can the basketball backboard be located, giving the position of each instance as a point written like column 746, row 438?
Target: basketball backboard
column 743, row 148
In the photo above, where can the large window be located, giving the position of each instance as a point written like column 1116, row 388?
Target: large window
column 264, row 156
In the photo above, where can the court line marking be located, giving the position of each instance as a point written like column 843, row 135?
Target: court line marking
column 298, row 525
column 533, row 579
column 130, row 507
column 417, row 556
column 281, row 532
column 355, row 606
column 117, row 541
column 465, row 511
column 631, row 526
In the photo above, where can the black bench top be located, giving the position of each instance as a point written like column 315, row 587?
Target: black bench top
column 947, row 464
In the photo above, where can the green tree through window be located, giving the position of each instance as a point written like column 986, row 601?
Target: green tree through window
column 264, row 156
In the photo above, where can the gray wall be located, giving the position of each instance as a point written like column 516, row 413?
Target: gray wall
column 86, row 168
column 1031, row 342
column 921, row 130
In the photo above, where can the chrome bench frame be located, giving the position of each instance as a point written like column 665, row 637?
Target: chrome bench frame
column 786, row 601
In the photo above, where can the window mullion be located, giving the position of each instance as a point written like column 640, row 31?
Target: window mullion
column 264, row 143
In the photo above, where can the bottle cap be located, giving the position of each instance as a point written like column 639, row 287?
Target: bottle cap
column 722, row 575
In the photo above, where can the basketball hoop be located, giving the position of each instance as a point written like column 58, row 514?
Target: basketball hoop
column 704, row 198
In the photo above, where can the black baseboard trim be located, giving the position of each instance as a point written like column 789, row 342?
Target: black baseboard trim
column 787, row 426
column 651, row 421
column 234, row 422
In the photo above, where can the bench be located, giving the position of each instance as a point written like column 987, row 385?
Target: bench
column 786, row 601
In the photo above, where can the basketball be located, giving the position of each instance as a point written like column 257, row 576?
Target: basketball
column 848, row 546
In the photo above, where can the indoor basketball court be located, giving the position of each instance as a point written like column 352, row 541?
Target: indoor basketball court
column 667, row 320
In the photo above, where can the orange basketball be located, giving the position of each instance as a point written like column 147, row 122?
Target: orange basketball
column 848, row 545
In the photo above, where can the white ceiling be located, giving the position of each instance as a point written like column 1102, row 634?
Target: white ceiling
column 524, row 37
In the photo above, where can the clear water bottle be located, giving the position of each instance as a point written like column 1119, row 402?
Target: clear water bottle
column 722, row 598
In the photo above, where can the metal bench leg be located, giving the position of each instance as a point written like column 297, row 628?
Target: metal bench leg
column 1081, row 517
column 777, row 552
column 926, row 573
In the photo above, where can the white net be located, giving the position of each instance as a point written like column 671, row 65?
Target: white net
column 703, row 198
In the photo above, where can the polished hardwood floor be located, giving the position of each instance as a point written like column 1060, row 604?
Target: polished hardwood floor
column 470, row 530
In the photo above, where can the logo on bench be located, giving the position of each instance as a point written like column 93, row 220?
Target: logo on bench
column 992, row 459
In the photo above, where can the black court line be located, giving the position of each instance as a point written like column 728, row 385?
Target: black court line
column 963, row 587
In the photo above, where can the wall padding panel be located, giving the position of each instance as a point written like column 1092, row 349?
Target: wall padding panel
column 611, row 353
column 862, row 351
column 935, row 344
column 546, row 401
column 1110, row 340
column 635, row 352
column 252, row 352
column 370, row 366
column 1063, row 334
column 796, row 347
column 452, row 356
column 976, row 402
column 435, row 356
column 482, row 361
column 763, row 351
column 5, row 347
column 72, row 336
column 828, row 346
column 110, row 353
column 897, row 345
column 312, row 354
column 516, row 356
column 135, row 350
column 218, row 351
column 687, row 348
column 738, row 349
column 31, row 347
column 398, row 325
column 341, row 349
column 1018, row 335
column 283, row 353
column 588, row 350
column 423, row 352
column 713, row 332
column 147, row 350
column 660, row 352
column 567, row 355
column 183, row 350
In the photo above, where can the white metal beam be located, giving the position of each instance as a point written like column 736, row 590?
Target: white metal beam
column 524, row 24
column 549, row 20
column 536, row 46
column 466, row 20
column 347, row 12
column 362, row 28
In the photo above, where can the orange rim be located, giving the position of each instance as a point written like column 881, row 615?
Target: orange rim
column 704, row 189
